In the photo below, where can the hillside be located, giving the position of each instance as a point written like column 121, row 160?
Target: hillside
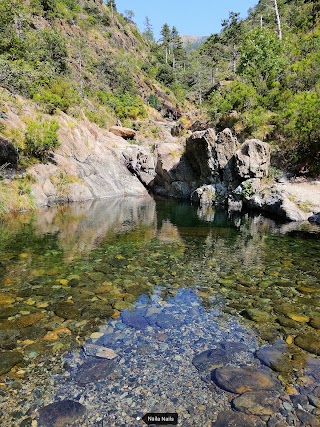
column 70, row 70
column 261, row 79
column 67, row 69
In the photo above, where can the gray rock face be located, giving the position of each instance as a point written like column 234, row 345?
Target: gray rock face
column 174, row 175
column 140, row 163
column 208, row 195
column 88, row 165
column 8, row 153
column 252, row 160
column 200, row 155
column 315, row 218
column 276, row 202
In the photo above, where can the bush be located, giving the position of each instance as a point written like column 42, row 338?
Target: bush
column 125, row 106
column 165, row 74
column 299, row 126
column 41, row 137
column 59, row 95
column 154, row 102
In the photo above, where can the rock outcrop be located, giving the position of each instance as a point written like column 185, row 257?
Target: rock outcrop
column 209, row 168
column 125, row 133
column 252, row 160
column 8, row 153
column 88, row 165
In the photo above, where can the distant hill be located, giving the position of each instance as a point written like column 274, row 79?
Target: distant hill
column 192, row 42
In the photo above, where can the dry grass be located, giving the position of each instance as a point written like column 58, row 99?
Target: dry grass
column 15, row 196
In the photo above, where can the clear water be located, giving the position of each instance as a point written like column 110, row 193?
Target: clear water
column 157, row 283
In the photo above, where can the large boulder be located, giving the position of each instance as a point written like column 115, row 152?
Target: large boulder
column 199, row 153
column 315, row 218
column 252, row 160
column 8, row 153
column 125, row 133
column 174, row 176
column 211, row 155
column 225, row 148
column 209, row 195
column 140, row 162
column 276, row 202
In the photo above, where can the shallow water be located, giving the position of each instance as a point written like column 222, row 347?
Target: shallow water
column 156, row 284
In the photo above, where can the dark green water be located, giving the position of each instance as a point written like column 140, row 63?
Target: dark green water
column 66, row 271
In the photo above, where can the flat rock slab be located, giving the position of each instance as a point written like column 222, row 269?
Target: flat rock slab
column 237, row 419
column 307, row 419
column 276, row 359
column 134, row 319
column 8, row 339
column 61, row 414
column 257, row 403
column 210, row 359
column 9, row 359
column 242, row 380
column 94, row 370
column 217, row 357
column 309, row 343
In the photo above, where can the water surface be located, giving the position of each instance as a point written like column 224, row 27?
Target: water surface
column 157, row 283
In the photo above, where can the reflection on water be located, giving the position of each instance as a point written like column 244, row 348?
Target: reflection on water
column 156, row 283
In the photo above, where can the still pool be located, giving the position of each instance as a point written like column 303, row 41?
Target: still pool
column 114, row 309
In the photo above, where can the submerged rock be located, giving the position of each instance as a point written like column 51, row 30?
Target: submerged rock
column 60, row 414
column 257, row 403
column 237, row 419
column 241, row 380
column 94, row 370
column 210, row 359
column 9, row 359
column 276, row 359
column 309, row 343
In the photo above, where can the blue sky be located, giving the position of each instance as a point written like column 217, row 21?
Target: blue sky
column 198, row 17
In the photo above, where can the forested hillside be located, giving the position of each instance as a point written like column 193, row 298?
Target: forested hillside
column 79, row 57
column 264, row 74
column 258, row 76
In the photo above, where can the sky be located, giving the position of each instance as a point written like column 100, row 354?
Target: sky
column 197, row 17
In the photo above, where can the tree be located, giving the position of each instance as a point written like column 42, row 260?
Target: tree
column 166, row 38
column 278, row 19
column 261, row 60
column 212, row 53
column 178, row 52
column 231, row 35
column 112, row 6
column 148, row 31
column 129, row 14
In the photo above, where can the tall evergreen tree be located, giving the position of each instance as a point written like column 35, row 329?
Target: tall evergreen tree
column 166, row 39
column 148, row 30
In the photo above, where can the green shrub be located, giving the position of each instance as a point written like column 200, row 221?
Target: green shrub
column 125, row 106
column 165, row 74
column 154, row 102
column 41, row 137
column 59, row 95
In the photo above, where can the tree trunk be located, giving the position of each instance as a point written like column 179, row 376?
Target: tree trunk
column 278, row 19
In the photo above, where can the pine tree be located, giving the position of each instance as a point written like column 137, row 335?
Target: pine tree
column 178, row 51
column 166, row 39
column 148, row 31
